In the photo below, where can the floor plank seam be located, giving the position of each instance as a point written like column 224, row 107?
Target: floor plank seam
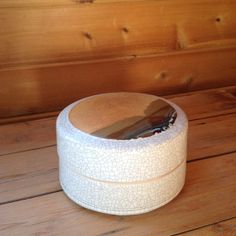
column 213, row 116
column 212, row 156
column 27, row 198
column 217, row 222
column 27, row 150
column 50, row 114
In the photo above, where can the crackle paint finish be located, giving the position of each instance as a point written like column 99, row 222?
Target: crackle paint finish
column 122, row 168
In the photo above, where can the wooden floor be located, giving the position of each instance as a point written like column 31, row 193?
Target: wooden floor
column 32, row 202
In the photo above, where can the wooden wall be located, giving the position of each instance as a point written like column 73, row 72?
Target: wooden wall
column 53, row 52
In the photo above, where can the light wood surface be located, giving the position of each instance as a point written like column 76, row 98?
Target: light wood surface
column 32, row 134
column 223, row 228
column 19, row 172
column 54, row 52
column 28, row 117
column 208, row 197
column 46, row 3
column 37, row 133
column 32, row 34
column 32, row 202
column 27, row 135
column 212, row 136
column 52, row 87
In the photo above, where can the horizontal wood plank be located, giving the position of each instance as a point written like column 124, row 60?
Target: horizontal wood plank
column 208, row 196
column 56, row 33
column 206, row 103
column 41, row 132
column 35, row 172
column 223, row 228
column 29, row 117
column 223, row 99
column 224, row 105
column 212, row 136
column 27, row 135
column 46, row 3
column 50, row 88
column 28, row 174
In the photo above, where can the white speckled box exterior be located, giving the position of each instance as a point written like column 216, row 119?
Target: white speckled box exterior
column 121, row 177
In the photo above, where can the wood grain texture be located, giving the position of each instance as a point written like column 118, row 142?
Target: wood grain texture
column 46, row 3
column 223, row 228
column 27, row 135
column 39, row 133
column 220, row 101
column 206, row 103
column 35, row 34
column 212, row 136
column 28, row 174
column 28, row 117
column 50, row 88
column 160, row 46
column 35, row 172
column 208, row 197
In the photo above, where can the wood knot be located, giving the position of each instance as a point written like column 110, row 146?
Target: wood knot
column 162, row 75
column 125, row 29
column 83, row 1
column 189, row 81
column 87, row 35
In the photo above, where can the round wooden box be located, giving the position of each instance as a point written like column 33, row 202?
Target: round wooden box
column 122, row 153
